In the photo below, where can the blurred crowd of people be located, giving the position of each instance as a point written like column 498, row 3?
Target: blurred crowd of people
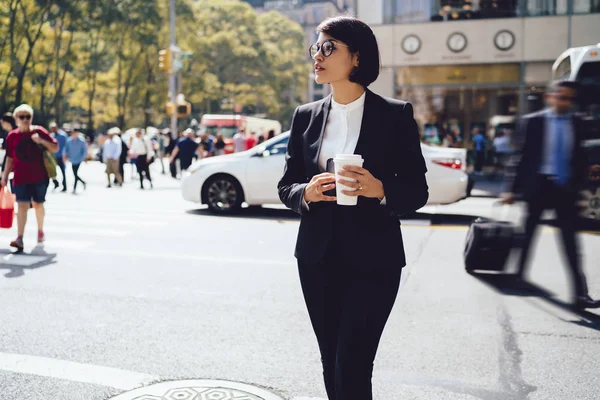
column 116, row 149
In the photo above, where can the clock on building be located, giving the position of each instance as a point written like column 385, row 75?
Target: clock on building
column 411, row 44
column 504, row 40
column 457, row 42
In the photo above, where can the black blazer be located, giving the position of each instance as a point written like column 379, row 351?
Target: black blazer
column 531, row 134
column 390, row 146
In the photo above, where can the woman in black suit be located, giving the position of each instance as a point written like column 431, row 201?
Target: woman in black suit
column 350, row 257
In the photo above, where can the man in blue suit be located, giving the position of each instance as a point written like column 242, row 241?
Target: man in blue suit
column 548, row 174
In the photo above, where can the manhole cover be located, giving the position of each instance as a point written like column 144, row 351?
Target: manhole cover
column 198, row 390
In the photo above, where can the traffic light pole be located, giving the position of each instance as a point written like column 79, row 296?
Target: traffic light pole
column 172, row 73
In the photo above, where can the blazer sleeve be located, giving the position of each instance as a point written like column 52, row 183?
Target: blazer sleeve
column 406, row 188
column 292, row 184
column 517, row 163
column 580, row 164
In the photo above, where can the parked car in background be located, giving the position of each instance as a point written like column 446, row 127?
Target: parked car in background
column 225, row 182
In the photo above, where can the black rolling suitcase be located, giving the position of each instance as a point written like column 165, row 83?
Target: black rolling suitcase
column 488, row 244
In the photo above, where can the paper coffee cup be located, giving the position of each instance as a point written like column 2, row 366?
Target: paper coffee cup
column 339, row 162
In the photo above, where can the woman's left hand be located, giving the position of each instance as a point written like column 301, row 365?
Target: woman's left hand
column 366, row 185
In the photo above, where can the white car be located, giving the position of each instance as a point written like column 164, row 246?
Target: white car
column 225, row 182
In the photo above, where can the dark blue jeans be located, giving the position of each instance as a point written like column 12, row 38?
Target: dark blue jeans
column 61, row 165
column 348, row 309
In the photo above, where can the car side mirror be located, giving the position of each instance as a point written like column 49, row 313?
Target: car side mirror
column 265, row 153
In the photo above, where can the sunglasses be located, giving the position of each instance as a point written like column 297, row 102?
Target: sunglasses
column 326, row 48
column 23, row 117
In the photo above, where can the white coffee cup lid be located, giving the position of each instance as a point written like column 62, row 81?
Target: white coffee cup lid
column 348, row 157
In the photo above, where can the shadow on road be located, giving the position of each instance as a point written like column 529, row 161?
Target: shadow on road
column 505, row 284
column 258, row 212
column 441, row 219
column 277, row 214
column 18, row 262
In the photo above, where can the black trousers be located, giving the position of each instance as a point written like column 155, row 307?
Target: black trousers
column 76, row 174
column 141, row 163
column 60, row 163
column 122, row 162
column 348, row 309
column 553, row 196
column 479, row 160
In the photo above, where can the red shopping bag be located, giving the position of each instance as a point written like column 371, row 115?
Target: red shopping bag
column 7, row 208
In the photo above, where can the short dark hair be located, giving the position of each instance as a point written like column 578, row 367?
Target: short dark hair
column 565, row 84
column 8, row 117
column 360, row 39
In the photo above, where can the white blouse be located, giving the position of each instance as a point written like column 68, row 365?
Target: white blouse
column 341, row 132
column 141, row 146
column 342, row 129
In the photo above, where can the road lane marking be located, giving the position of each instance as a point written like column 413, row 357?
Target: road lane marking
column 84, row 230
column 188, row 257
column 50, row 245
column 105, row 221
column 74, row 371
column 86, row 373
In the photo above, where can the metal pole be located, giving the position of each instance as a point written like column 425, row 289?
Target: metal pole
column 570, row 25
column 172, row 74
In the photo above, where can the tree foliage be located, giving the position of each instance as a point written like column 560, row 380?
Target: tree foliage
column 95, row 62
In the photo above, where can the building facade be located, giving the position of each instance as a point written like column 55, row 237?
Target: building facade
column 466, row 63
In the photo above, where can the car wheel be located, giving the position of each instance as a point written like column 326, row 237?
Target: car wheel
column 223, row 194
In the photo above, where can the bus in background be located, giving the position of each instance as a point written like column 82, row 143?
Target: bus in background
column 582, row 65
column 229, row 125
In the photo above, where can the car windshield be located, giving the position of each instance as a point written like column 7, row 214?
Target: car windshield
column 276, row 145
column 589, row 97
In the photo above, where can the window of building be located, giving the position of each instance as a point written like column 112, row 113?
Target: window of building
column 449, row 116
column 586, row 6
column 547, row 7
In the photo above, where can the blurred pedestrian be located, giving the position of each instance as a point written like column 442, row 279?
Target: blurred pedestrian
column 123, row 158
column 61, row 138
column 131, row 158
column 449, row 140
column 350, row 257
column 76, row 151
column 8, row 124
column 239, row 141
column 162, row 146
column 24, row 151
column 548, row 175
column 251, row 140
column 480, row 147
column 261, row 139
column 185, row 151
column 271, row 134
column 502, row 150
column 208, row 143
column 141, row 150
column 111, row 151
column 219, row 145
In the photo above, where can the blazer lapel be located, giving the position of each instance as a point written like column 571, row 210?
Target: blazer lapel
column 364, row 147
column 316, row 132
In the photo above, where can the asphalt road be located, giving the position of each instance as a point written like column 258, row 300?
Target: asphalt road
column 139, row 286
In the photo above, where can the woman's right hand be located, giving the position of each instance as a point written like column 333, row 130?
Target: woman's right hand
column 313, row 193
